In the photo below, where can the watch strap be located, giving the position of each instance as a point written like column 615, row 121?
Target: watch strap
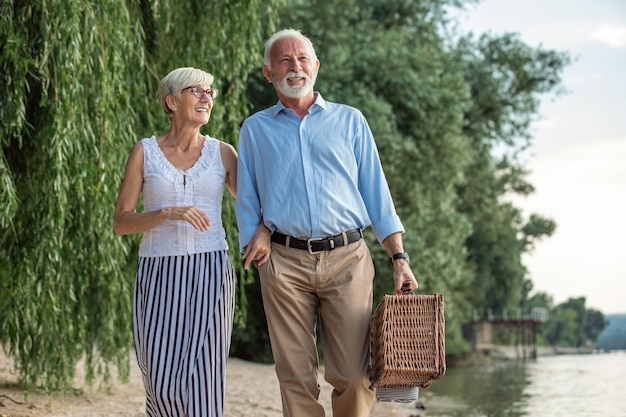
column 400, row 255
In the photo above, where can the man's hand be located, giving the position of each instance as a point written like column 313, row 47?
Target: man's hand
column 259, row 248
column 403, row 277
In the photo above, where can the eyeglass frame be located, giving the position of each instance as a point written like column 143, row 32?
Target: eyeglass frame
column 195, row 90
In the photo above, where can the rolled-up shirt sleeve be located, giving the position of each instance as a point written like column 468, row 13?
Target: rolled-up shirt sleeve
column 373, row 185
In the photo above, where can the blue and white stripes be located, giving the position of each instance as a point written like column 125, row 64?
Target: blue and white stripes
column 183, row 316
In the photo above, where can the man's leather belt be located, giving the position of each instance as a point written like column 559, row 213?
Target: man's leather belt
column 319, row 244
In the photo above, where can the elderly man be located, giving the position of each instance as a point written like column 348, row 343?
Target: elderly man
column 309, row 171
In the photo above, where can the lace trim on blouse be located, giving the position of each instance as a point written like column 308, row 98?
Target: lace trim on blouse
column 169, row 171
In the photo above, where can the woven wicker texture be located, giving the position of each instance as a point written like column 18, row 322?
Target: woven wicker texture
column 408, row 341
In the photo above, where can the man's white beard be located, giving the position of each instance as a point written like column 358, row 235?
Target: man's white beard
column 295, row 91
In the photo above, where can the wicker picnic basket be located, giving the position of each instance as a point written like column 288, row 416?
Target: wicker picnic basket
column 408, row 342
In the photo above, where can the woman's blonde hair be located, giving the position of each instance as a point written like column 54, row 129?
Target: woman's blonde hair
column 174, row 82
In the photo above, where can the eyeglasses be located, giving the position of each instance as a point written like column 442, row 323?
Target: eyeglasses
column 199, row 92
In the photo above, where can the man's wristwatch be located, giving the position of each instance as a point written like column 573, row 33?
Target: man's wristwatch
column 400, row 255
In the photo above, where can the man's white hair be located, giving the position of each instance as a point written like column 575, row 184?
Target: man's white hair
column 286, row 33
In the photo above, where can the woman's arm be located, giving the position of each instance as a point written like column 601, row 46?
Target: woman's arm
column 229, row 160
column 126, row 220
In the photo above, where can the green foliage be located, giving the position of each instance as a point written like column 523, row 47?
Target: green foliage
column 505, row 78
column 414, row 105
column 450, row 117
column 79, row 83
column 65, row 285
column 438, row 108
column 536, row 228
column 252, row 342
column 540, row 300
column 594, row 324
column 436, row 114
column 225, row 38
column 571, row 324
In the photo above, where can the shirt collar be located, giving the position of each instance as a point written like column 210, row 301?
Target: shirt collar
column 319, row 103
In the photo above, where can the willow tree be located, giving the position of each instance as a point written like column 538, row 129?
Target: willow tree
column 79, row 81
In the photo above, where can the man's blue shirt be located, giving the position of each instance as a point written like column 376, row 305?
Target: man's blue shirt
column 313, row 177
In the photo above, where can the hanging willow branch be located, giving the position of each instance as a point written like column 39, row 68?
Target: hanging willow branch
column 79, row 81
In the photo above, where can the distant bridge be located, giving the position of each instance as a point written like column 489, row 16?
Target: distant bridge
column 481, row 330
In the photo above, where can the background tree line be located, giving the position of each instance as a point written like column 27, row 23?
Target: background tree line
column 614, row 335
column 569, row 324
column 450, row 113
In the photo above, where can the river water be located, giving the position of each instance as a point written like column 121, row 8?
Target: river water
column 589, row 385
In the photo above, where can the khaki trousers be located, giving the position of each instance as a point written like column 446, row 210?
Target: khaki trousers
column 337, row 285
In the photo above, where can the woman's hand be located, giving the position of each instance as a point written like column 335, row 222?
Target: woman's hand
column 191, row 214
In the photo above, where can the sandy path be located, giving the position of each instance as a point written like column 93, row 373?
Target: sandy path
column 252, row 391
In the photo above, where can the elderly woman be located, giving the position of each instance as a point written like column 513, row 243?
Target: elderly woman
column 183, row 303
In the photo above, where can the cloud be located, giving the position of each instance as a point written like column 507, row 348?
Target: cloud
column 614, row 36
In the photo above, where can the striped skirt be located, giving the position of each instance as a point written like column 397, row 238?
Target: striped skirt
column 183, row 318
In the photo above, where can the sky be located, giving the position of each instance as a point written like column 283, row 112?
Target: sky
column 578, row 157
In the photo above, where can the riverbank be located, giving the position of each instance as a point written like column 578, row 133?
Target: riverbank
column 489, row 354
column 252, row 390
column 519, row 352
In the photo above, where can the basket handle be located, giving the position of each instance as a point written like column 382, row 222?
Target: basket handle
column 406, row 290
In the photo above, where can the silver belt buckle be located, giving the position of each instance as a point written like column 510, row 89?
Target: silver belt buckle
column 308, row 244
